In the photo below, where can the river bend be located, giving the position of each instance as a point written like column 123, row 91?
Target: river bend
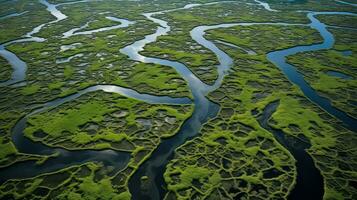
column 204, row 109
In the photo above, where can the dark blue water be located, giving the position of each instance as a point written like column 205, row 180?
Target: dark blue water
column 66, row 158
column 309, row 181
column 278, row 58
column 204, row 110
column 346, row 53
column 155, row 166
column 339, row 75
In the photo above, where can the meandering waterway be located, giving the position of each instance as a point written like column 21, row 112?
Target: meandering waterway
column 18, row 65
column 66, row 158
column 278, row 58
column 75, row 31
column 305, row 166
column 154, row 167
column 13, row 15
column 204, row 109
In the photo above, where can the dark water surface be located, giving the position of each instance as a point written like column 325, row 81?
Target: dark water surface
column 309, row 180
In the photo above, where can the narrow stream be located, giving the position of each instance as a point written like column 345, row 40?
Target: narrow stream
column 204, row 109
column 154, row 167
column 66, row 158
column 278, row 58
column 309, row 181
column 248, row 51
column 123, row 24
column 265, row 5
column 19, row 66
column 347, row 3
column 13, row 15
column 339, row 75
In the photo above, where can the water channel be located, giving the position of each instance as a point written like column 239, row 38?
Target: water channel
column 204, row 109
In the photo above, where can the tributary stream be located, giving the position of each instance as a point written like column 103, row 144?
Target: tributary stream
column 204, row 109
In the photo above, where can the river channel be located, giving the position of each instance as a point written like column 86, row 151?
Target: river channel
column 204, row 109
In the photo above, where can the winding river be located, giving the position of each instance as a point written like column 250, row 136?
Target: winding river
column 154, row 167
column 278, row 58
column 265, row 5
column 19, row 66
column 65, row 158
column 347, row 3
column 13, row 15
column 123, row 24
column 204, row 109
column 306, row 169
column 248, row 51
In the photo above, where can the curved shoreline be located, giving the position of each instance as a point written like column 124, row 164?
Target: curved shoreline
column 305, row 166
column 64, row 157
column 346, row 3
column 13, row 15
column 204, row 110
column 123, row 24
column 20, row 67
column 156, row 163
column 154, row 166
column 278, row 58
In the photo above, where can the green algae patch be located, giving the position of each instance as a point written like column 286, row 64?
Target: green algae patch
column 187, row 176
column 123, row 196
column 194, row 59
column 6, row 149
column 156, row 76
column 68, row 121
column 333, row 74
column 68, row 72
column 92, row 190
column 332, row 194
column 55, row 85
column 106, row 135
column 291, row 113
column 29, row 90
column 227, row 146
column 83, row 125
column 82, row 138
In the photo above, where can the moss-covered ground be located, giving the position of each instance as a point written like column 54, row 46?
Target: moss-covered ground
column 6, row 69
column 18, row 26
column 333, row 72
column 179, row 45
column 237, row 159
column 233, row 157
column 95, row 58
column 104, row 120
column 96, row 120
column 78, row 182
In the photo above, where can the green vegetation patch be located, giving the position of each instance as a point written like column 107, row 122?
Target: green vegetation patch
column 31, row 89
column 101, row 122
column 250, row 161
column 6, row 149
column 69, row 120
column 333, row 72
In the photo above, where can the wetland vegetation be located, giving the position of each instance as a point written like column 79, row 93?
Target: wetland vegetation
column 173, row 99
